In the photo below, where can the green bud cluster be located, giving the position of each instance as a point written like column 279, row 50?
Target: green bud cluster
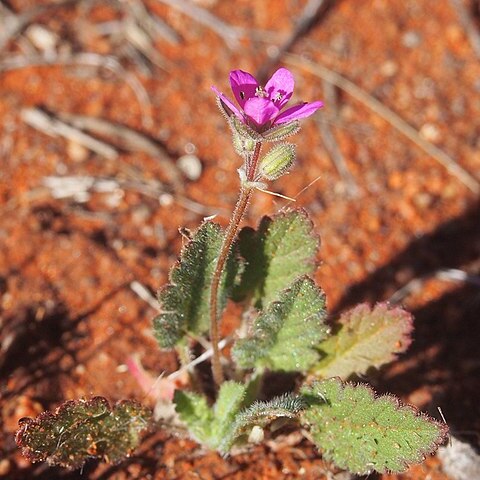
column 279, row 159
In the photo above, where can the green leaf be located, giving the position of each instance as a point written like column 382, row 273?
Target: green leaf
column 194, row 411
column 185, row 300
column 261, row 414
column 82, row 429
column 222, row 426
column 282, row 249
column 210, row 425
column 362, row 433
column 285, row 335
column 230, row 400
column 366, row 338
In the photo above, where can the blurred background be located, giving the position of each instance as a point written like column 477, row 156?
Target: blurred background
column 110, row 141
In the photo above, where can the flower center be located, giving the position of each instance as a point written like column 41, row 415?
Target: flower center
column 260, row 92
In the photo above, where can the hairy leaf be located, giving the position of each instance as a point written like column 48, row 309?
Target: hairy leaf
column 282, row 249
column 185, row 300
column 82, row 429
column 363, row 433
column 285, row 335
column 194, row 411
column 261, row 414
column 229, row 402
column 366, row 338
column 210, row 425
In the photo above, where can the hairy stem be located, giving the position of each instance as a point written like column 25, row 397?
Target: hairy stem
column 230, row 234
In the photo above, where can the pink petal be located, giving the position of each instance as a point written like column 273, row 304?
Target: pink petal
column 260, row 110
column 227, row 103
column 280, row 87
column 243, row 86
column 296, row 112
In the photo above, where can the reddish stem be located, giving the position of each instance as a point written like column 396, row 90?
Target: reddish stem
column 230, row 234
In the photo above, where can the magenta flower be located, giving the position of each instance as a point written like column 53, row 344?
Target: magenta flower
column 261, row 107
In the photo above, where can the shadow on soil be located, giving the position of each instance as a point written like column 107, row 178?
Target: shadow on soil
column 444, row 354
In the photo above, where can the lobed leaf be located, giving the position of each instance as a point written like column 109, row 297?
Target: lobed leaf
column 285, row 335
column 185, row 300
column 367, row 338
column 82, row 429
column 282, row 249
column 362, row 433
column 261, row 414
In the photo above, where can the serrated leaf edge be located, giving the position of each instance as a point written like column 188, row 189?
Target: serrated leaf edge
column 406, row 335
column 443, row 428
column 255, row 331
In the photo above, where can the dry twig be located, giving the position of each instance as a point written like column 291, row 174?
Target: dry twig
column 388, row 115
column 140, row 40
column 13, row 24
column 50, row 125
column 331, row 144
column 71, row 127
column 313, row 13
column 80, row 187
column 444, row 274
column 231, row 35
column 87, row 59
column 144, row 293
column 153, row 25
column 127, row 139
column 468, row 25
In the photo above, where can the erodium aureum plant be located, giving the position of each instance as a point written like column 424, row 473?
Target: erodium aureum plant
column 284, row 329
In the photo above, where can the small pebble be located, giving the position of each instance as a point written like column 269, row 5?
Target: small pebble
column 191, row 166
column 165, row 199
column 272, row 51
column 5, row 467
column 460, row 460
column 77, row 152
column 411, row 39
column 430, row 132
column 43, row 39
column 114, row 199
column 388, row 68
column 423, row 200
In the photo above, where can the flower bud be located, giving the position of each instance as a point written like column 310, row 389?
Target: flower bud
column 243, row 145
column 282, row 131
column 277, row 161
column 244, row 138
column 243, row 130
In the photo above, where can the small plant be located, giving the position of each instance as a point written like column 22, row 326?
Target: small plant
column 268, row 270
